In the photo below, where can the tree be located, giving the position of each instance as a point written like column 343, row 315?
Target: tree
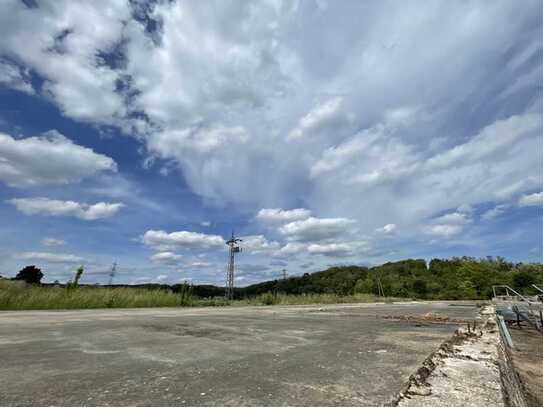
column 30, row 274
column 75, row 282
column 523, row 279
column 420, row 287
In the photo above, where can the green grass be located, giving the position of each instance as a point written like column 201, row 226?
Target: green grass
column 16, row 295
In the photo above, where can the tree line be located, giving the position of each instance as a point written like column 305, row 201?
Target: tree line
column 454, row 278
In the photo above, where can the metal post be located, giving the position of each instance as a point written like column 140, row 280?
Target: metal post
column 504, row 331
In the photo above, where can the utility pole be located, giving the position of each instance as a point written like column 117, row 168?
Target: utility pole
column 112, row 273
column 234, row 248
column 284, row 274
column 379, row 285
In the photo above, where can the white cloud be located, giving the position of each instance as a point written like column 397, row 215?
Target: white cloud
column 291, row 249
column 48, row 159
column 199, row 264
column 535, row 199
column 51, row 257
column 277, row 215
column 258, row 244
column 161, row 240
column 314, row 229
column 53, row 207
column 224, row 109
column 455, row 218
column 346, row 249
column 450, row 224
column 494, row 212
column 168, row 258
column 14, row 77
column 490, row 140
column 389, row 228
column 444, row 231
column 322, row 116
column 51, row 241
column 62, row 41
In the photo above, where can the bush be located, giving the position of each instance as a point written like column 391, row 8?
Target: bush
column 30, row 274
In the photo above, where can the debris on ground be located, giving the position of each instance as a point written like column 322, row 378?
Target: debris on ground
column 429, row 317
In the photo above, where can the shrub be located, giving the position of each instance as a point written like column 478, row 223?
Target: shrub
column 30, row 274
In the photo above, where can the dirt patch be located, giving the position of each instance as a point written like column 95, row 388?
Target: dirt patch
column 528, row 362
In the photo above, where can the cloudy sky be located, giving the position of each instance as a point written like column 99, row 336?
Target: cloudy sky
column 322, row 132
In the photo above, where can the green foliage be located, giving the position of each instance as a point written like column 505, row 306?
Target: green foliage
column 185, row 294
column 75, row 283
column 456, row 278
column 30, row 275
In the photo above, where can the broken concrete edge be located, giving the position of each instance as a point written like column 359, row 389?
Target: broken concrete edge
column 513, row 391
column 420, row 376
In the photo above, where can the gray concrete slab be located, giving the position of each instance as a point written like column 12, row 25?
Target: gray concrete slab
column 342, row 355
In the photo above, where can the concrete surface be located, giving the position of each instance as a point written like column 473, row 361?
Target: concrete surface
column 342, row 355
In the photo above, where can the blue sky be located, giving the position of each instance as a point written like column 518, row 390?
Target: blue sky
column 323, row 133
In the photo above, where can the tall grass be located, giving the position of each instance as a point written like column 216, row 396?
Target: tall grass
column 307, row 299
column 17, row 295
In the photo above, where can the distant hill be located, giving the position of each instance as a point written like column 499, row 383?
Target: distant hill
column 456, row 278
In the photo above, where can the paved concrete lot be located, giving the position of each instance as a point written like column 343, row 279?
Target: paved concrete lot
column 342, row 355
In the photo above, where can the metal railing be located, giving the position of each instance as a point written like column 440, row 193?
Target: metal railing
column 515, row 306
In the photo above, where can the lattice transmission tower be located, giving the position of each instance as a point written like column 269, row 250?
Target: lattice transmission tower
column 234, row 248
column 112, row 273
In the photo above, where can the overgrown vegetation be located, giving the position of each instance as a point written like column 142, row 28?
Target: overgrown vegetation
column 452, row 279
column 15, row 295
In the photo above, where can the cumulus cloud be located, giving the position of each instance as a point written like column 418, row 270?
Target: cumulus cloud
column 168, row 258
column 322, row 116
column 48, row 159
column 314, row 229
column 444, row 231
column 291, row 249
column 51, row 241
column 535, row 199
column 64, row 42
column 277, row 215
column 450, row 224
column 53, row 207
column 346, row 249
column 258, row 244
column 51, row 257
column 162, row 241
column 14, row 77
column 368, row 124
